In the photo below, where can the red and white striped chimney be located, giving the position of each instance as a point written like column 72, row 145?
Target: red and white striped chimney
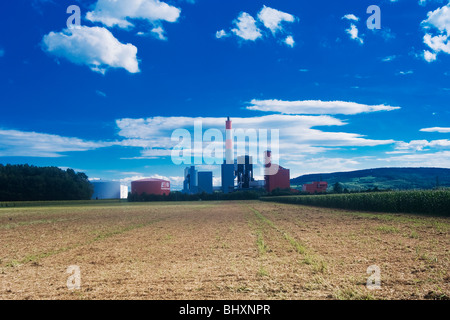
column 229, row 158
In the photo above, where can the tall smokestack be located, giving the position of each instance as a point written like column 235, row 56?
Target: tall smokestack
column 229, row 159
column 267, row 158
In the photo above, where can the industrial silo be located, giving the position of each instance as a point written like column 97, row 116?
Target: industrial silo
column 150, row 186
column 106, row 190
column 123, row 192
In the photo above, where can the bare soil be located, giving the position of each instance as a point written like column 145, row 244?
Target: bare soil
column 220, row 250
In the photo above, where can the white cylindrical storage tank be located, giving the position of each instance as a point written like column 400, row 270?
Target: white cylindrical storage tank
column 106, row 190
column 123, row 192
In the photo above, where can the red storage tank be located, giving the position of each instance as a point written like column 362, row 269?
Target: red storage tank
column 150, row 186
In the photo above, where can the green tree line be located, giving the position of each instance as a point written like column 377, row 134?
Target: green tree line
column 31, row 183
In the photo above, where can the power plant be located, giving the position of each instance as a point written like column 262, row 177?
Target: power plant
column 237, row 174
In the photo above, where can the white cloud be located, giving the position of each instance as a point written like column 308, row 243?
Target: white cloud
column 159, row 32
column 389, row 58
column 404, row 73
column 438, row 20
column 420, row 145
column 15, row 143
column 272, row 18
column 350, row 17
column 297, row 136
column 120, row 12
column 221, row 34
column 436, row 129
column 429, row 56
column 353, row 32
column 95, row 47
column 316, row 107
column 309, row 166
column 289, row 41
column 437, row 43
column 246, row 27
column 433, row 159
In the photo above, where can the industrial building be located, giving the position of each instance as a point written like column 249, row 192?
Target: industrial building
column 244, row 172
column 236, row 174
column 242, row 169
column 197, row 182
column 278, row 180
column 190, row 184
column 315, row 187
column 205, row 182
column 109, row 190
column 150, row 186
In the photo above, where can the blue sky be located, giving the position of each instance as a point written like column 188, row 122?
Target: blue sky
column 105, row 98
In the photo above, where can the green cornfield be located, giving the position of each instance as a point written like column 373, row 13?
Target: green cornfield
column 424, row 202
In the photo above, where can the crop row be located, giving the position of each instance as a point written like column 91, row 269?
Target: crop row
column 425, row 202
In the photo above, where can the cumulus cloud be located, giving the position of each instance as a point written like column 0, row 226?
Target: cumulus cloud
column 121, row 13
column 159, row 33
column 95, row 47
column 316, row 107
column 436, row 129
column 246, row 27
column 350, row 17
column 353, row 32
column 437, row 27
column 429, row 56
column 15, row 143
column 272, row 18
column 221, row 34
column 438, row 43
column 250, row 29
column 289, row 41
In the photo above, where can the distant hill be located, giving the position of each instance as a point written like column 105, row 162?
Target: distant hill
column 383, row 178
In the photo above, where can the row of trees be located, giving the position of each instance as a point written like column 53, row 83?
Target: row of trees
column 31, row 183
column 338, row 188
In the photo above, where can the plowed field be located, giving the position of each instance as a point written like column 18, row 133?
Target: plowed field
column 220, row 250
